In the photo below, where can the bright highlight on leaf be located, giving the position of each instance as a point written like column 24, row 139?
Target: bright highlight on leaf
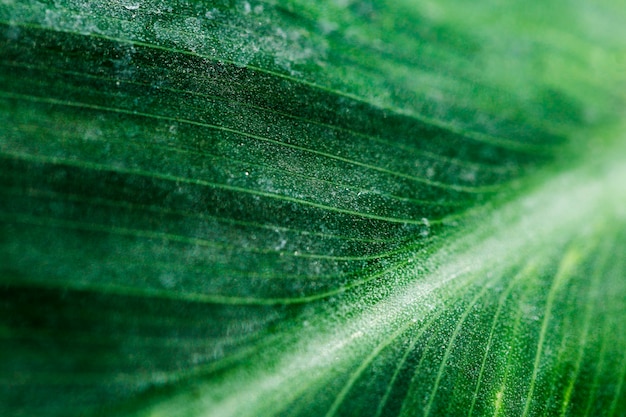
column 334, row 208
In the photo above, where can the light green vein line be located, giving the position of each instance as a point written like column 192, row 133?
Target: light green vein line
column 147, row 234
column 366, row 362
column 456, row 203
column 412, row 150
column 191, row 297
column 429, row 340
column 180, row 149
column 102, row 167
column 234, row 273
column 599, row 369
column 198, row 297
column 566, row 268
column 436, row 184
column 582, row 343
column 183, row 150
column 480, row 137
column 529, row 269
column 448, row 350
column 500, row 394
column 550, row 398
column 202, row 269
column 619, row 388
column 399, row 365
column 407, row 351
column 410, row 348
column 410, row 245
column 92, row 227
column 356, row 190
column 339, row 399
column 35, row 193
column 52, row 195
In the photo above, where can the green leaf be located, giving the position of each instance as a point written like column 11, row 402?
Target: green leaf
column 298, row 208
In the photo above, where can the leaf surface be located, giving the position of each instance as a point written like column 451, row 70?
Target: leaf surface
column 264, row 209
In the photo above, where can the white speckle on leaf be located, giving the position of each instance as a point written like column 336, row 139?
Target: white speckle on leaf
column 468, row 175
column 327, row 27
column 281, row 244
column 167, row 280
column 281, row 33
column 132, row 6
column 51, row 18
column 211, row 14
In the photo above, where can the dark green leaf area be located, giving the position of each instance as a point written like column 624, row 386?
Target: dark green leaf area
column 152, row 263
column 80, row 352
